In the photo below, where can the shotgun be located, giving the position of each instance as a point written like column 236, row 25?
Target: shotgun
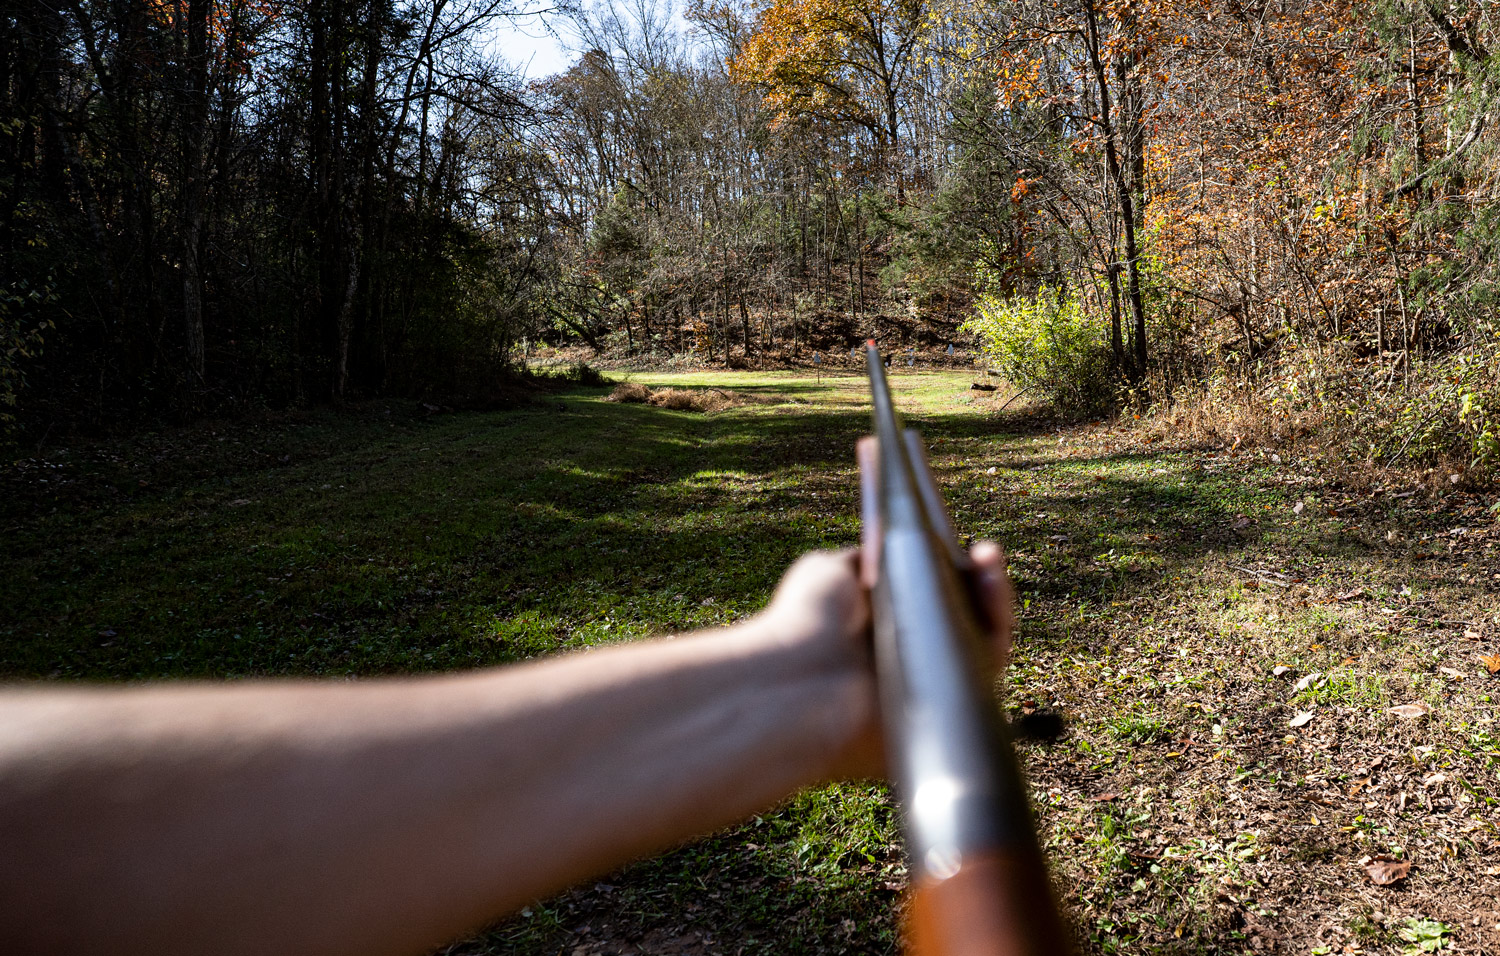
column 978, row 880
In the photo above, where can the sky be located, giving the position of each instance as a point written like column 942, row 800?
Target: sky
column 527, row 44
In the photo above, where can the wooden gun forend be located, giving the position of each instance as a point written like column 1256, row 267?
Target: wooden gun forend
column 979, row 883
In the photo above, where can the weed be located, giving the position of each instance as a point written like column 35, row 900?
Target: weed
column 1425, row 935
column 1141, row 729
column 1348, row 687
column 1365, row 929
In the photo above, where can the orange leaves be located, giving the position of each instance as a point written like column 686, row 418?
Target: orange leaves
column 1253, row 150
column 818, row 57
column 1019, row 80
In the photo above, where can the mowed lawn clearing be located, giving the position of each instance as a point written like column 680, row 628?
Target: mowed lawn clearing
column 1180, row 614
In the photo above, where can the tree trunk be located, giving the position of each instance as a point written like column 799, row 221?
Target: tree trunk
column 1128, row 210
column 1419, row 154
column 745, row 323
column 195, row 122
column 1116, row 340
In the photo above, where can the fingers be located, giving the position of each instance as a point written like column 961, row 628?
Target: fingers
column 998, row 598
column 867, row 454
column 820, row 593
column 819, row 575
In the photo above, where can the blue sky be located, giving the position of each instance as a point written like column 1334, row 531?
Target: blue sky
column 525, row 43
column 524, row 40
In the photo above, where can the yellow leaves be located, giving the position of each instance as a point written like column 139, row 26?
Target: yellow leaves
column 817, row 56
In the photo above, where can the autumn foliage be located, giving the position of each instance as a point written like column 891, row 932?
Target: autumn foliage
column 243, row 201
column 1295, row 192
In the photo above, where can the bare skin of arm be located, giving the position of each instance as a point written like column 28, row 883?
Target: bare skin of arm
column 390, row 816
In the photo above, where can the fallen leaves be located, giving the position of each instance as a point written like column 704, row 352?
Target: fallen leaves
column 1306, row 682
column 1410, row 711
column 1491, row 662
column 1301, row 720
column 1384, row 870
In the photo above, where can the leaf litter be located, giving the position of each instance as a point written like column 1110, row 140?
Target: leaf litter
column 1385, row 870
column 1223, row 833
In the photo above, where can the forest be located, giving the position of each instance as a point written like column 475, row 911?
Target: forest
column 1283, row 211
column 342, row 352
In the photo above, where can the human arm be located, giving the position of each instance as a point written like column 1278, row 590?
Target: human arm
column 389, row 816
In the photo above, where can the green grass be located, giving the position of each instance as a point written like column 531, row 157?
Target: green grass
column 1181, row 812
column 357, row 546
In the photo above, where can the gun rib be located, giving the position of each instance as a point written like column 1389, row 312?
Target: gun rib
column 963, row 798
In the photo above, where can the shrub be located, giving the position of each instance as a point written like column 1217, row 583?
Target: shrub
column 1045, row 342
column 20, row 342
column 1441, row 413
column 1446, row 410
column 585, row 374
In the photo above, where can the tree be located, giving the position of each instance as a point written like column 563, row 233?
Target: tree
column 844, row 62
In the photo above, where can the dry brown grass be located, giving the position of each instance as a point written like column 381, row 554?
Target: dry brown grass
column 630, row 392
column 1224, row 415
column 677, row 399
column 1358, row 420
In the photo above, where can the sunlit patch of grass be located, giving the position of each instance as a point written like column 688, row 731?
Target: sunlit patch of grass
column 1140, row 729
column 1349, row 687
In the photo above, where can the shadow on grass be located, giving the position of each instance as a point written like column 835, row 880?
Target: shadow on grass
column 396, row 550
column 372, row 547
column 386, row 548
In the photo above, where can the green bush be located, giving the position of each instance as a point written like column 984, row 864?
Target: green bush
column 1045, row 342
column 1449, row 411
column 20, row 342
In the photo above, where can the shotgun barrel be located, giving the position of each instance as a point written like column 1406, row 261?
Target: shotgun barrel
column 979, row 882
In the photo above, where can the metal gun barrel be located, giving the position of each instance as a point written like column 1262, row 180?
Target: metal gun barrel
column 979, row 882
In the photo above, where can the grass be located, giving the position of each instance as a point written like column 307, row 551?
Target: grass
column 1160, row 584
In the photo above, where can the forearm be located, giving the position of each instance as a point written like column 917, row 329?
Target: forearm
column 388, row 816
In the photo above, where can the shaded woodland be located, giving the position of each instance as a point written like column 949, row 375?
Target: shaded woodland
column 1285, row 205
